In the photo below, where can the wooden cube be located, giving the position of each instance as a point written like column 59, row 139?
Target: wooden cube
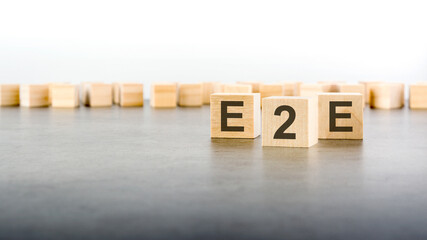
column 64, row 95
column 353, row 88
column 289, row 121
column 310, row 89
column 255, row 85
column 297, row 89
column 131, row 94
column 387, row 95
column 208, row 89
column 330, row 86
column 237, row 88
column 292, row 88
column 98, row 94
column 163, row 95
column 50, row 89
column 341, row 116
column 368, row 85
column 190, row 95
column 9, row 94
column 116, row 92
column 418, row 96
column 34, row 95
column 235, row 115
column 271, row 90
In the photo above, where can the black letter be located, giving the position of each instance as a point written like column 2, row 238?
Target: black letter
column 280, row 133
column 225, row 115
column 333, row 115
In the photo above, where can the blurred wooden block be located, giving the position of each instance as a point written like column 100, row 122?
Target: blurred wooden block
column 387, row 95
column 341, row 116
column 98, row 94
column 163, row 95
column 292, row 88
column 297, row 89
column 208, row 89
column 418, row 96
column 255, row 85
column 34, row 95
column 237, row 88
column 271, row 90
column 9, row 94
column 190, row 95
column 116, row 92
column 368, row 85
column 131, row 94
column 330, row 86
column 310, row 89
column 50, row 90
column 289, row 121
column 64, row 95
column 353, row 88
column 235, row 115
column 84, row 93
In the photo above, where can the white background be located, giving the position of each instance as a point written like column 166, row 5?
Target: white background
column 190, row 41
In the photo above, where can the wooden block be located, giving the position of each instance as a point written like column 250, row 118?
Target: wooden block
column 271, row 90
column 341, row 116
column 368, row 85
column 131, row 94
column 208, row 89
column 84, row 93
column 116, row 92
column 163, row 95
column 310, row 89
column 190, row 95
column 387, row 95
column 34, row 95
column 297, row 89
column 418, row 96
column 64, row 95
column 330, row 86
column 292, row 88
column 9, row 94
column 235, row 115
column 289, row 121
column 98, row 94
column 237, row 88
column 255, row 85
column 353, row 88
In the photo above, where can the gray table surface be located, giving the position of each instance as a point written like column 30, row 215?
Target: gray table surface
column 142, row 173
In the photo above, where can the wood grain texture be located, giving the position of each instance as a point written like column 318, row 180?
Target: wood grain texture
column 131, row 94
column 250, row 118
column 163, row 95
column 387, row 95
column 190, row 95
column 9, row 94
column 418, row 96
column 353, row 122
column 304, row 125
column 353, row 88
column 237, row 88
column 99, row 94
column 65, row 96
column 34, row 95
